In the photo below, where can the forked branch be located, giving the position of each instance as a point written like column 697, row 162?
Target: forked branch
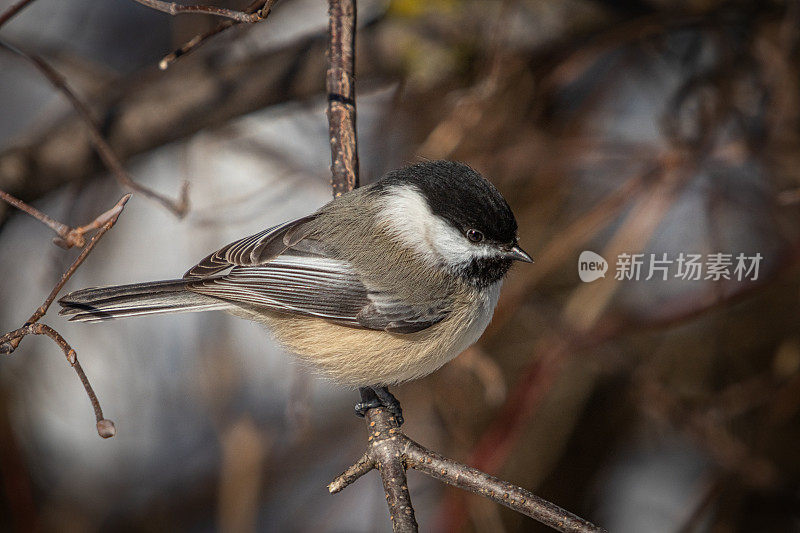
column 390, row 449
column 105, row 427
column 10, row 341
column 67, row 236
column 257, row 11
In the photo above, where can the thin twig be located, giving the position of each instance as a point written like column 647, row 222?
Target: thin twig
column 178, row 207
column 61, row 229
column 10, row 341
column 349, row 476
column 340, row 84
column 465, row 477
column 8, row 346
column 193, row 44
column 67, row 236
column 13, row 10
column 177, row 9
column 105, row 427
column 259, row 6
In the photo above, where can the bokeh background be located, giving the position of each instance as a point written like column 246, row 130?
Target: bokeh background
column 616, row 126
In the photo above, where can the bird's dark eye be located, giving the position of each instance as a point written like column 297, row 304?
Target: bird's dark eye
column 474, row 235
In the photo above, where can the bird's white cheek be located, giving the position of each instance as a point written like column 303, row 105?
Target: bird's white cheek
column 452, row 246
column 407, row 216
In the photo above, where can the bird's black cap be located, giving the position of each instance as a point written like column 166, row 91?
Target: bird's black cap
column 459, row 194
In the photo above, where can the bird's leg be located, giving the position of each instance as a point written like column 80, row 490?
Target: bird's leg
column 379, row 397
column 388, row 400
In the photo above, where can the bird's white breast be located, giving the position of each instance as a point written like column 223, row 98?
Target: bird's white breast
column 480, row 320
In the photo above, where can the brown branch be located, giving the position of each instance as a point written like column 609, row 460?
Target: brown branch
column 67, row 236
column 497, row 490
column 172, row 8
column 7, row 346
column 385, row 452
column 178, row 207
column 10, row 341
column 340, row 84
column 13, row 10
column 391, row 452
column 259, row 6
column 105, row 427
column 349, row 476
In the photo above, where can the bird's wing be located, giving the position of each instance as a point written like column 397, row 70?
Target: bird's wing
column 284, row 270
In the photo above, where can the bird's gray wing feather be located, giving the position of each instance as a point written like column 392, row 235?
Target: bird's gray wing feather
column 311, row 286
column 304, row 280
column 253, row 250
column 387, row 313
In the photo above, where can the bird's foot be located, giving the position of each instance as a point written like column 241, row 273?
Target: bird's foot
column 369, row 400
column 372, row 397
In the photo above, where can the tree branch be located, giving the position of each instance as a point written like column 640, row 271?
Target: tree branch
column 259, row 6
column 105, row 427
column 178, row 9
column 109, row 218
column 13, row 10
column 391, row 452
column 465, row 477
column 67, row 236
column 340, row 83
column 10, row 341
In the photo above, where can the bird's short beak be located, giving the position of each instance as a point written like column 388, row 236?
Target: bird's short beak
column 518, row 254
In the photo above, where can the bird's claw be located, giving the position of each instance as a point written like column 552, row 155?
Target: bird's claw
column 372, row 397
column 361, row 408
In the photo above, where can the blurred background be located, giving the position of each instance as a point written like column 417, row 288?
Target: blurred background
column 615, row 126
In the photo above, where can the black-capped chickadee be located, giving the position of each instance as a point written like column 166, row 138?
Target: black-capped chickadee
column 382, row 285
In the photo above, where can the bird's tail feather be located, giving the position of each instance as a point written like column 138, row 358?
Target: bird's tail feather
column 104, row 303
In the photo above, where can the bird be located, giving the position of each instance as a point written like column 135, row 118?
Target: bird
column 382, row 285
